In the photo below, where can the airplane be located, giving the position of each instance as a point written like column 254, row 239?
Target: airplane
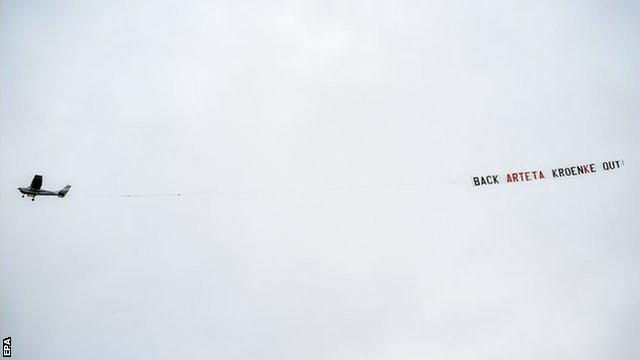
column 35, row 189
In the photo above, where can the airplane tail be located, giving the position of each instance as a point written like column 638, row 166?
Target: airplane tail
column 64, row 191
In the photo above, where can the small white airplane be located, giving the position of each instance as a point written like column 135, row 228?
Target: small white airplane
column 35, row 189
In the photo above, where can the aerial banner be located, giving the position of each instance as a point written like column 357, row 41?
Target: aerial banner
column 481, row 180
column 533, row 175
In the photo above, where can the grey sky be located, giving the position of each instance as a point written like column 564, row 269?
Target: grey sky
column 155, row 96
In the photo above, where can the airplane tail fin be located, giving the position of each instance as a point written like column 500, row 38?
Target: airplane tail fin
column 64, row 191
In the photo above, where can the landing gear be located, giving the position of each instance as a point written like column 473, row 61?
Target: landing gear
column 23, row 196
column 33, row 198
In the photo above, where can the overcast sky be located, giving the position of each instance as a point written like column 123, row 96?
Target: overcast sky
column 119, row 97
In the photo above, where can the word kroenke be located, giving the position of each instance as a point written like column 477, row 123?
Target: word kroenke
column 536, row 175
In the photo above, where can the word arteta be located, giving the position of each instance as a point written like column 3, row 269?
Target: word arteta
column 533, row 175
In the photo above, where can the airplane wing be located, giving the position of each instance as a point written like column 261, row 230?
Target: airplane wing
column 36, row 183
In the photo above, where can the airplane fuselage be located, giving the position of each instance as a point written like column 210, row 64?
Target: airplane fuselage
column 33, row 193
